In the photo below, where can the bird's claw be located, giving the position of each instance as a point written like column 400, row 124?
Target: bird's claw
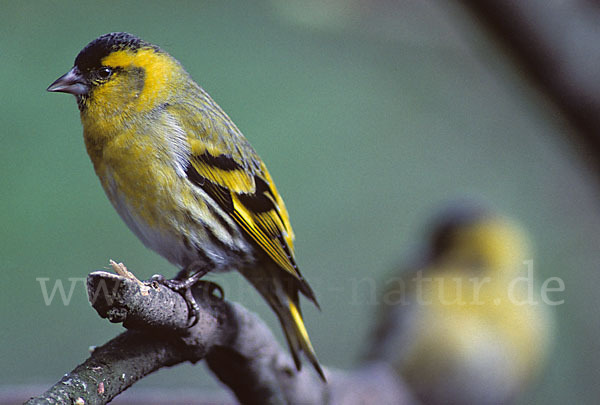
column 185, row 287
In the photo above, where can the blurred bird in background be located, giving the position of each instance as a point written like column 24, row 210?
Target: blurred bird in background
column 460, row 326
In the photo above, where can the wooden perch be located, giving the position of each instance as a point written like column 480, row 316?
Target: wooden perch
column 238, row 347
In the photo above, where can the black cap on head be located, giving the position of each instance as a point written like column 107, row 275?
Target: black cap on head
column 454, row 216
column 91, row 56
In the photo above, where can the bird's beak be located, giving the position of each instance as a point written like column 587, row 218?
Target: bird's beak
column 71, row 82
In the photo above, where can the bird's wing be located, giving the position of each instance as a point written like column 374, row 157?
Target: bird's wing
column 226, row 167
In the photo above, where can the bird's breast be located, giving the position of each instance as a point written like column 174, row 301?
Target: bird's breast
column 144, row 182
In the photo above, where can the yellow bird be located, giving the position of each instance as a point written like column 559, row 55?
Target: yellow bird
column 183, row 177
column 460, row 327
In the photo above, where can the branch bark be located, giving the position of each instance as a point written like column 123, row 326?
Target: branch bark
column 238, row 347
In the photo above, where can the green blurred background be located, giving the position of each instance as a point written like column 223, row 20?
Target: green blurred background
column 369, row 119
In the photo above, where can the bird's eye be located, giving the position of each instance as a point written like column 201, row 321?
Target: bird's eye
column 104, row 72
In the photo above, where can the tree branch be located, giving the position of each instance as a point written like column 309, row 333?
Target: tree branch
column 238, row 347
column 557, row 43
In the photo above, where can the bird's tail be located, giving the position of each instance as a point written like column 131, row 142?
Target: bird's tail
column 295, row 332
column 282, row 296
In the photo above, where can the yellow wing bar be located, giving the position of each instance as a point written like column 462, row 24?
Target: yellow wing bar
column 251, row 201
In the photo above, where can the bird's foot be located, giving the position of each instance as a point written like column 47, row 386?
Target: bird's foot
column 185, row 286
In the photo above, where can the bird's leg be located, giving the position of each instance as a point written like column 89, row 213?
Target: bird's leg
column 187, row 277
column 183, row 283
